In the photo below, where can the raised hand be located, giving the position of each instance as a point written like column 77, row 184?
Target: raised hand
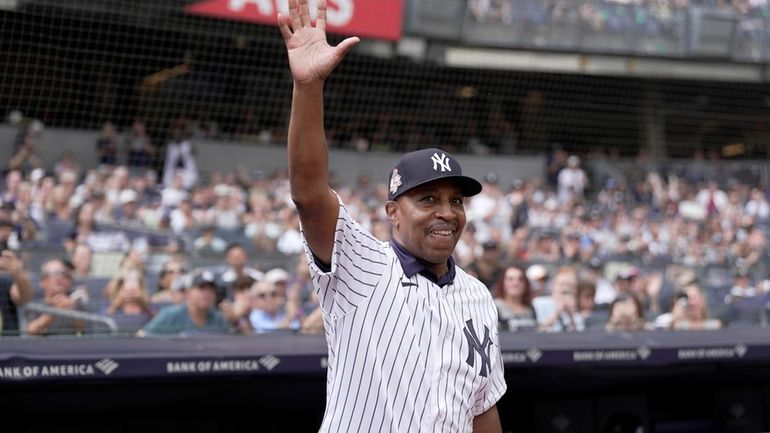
column 311, row 58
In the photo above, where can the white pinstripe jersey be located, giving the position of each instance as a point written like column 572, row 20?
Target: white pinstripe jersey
column 405, row 355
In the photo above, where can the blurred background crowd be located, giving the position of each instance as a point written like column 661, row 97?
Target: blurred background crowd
column 130, row 249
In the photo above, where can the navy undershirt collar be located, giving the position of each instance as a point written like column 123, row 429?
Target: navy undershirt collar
column 413, row 266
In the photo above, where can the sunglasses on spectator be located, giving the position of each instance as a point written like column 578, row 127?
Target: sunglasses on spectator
column 175, row 271
column 265, row 295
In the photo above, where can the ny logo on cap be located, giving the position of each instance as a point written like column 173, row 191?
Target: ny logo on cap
column 440, row 161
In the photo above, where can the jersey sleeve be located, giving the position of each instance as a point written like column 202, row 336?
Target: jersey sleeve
column 358, row 262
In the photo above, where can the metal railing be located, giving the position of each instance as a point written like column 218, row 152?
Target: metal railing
column 36, row 307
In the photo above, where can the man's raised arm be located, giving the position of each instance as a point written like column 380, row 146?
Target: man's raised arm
column 311, row 60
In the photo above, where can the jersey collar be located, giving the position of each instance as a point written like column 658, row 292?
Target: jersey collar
column 412, row 265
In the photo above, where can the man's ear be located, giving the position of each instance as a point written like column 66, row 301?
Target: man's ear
column 391, row 209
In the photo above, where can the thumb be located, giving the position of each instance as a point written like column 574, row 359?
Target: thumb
column 344, row 47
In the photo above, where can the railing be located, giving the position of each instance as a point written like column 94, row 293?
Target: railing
column 35, row 307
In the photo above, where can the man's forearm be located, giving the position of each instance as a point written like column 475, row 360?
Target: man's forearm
column 487, row 422
column 21, row 291
column 308, row 155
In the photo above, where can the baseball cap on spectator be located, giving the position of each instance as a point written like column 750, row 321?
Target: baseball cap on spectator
column 517, row 184
column 491, row 177
column 628, row 273
column 36, row 174
column 277, row 275
column 204, row 278
column 536, row 272
column 426, row 165
column 221, row 190
column 127, row 196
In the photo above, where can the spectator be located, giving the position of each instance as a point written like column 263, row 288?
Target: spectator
column 126, row 213
column 139, row 149
column 299, row 291
column 237, row 259
column 181, row 218
column 82, row 260
column 537, row 275
column 572, row 181
column 268, row 313
column 712, row 198
column 558, row 312
column 747, row 304
column 173, row 193
column 626, row 314
column 56, row 282
column 8, row 235
column 290, row 241
column 107, row 145
column 238, row 310
column 180, row 160
column 97, row 238
column 513, row 299
column 592, row 317
column 487, row 268
column 168, row 279
column 689, row 311
column 15, row 291
column 67, row 170
column 130, row 303
column 208, row 242
column 25, row 157
column 197, row 315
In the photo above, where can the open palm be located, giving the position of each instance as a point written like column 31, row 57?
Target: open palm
column 311, row 58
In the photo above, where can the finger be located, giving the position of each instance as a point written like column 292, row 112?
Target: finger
column 304, row 13
column 321, row 21
column 283, row 24
column 344, row 47
column 296, row 22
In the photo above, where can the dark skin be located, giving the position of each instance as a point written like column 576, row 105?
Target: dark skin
column 427, row 221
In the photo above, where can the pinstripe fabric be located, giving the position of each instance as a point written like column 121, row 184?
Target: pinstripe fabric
column 397, row 348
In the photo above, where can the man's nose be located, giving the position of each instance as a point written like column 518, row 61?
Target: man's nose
column 445, row 211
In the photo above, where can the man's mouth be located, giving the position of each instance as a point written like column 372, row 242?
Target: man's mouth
column 442, row 231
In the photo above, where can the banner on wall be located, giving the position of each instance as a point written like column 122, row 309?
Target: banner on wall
column 375, row 19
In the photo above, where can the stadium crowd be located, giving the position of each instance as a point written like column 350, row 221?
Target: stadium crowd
column 178, row 251
column 650, row 17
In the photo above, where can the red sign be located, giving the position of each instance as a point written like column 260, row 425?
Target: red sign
column 377, row 19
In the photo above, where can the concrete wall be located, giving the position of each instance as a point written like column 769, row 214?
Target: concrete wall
column 226, row 156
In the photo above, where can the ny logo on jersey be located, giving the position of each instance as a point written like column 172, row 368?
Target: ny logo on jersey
column 440, row 161
column 478, row 346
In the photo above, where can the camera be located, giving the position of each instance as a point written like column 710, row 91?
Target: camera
column 682, row 300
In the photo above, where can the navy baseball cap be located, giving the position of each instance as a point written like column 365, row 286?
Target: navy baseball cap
column 426, row 165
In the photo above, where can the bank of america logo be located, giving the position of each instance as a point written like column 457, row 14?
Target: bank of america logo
column 561, row 422
column 534, row 354
column 269, row 361
column 644, row 352
column 107, row 366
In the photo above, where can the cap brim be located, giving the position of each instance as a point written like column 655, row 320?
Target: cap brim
column 468, row 185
